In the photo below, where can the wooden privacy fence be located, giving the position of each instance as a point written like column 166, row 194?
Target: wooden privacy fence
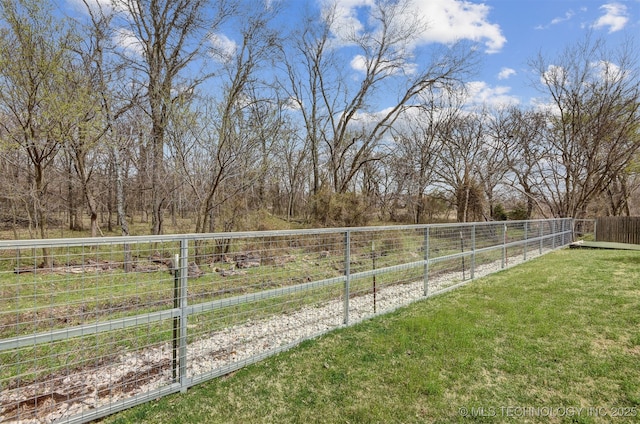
column 619, row 229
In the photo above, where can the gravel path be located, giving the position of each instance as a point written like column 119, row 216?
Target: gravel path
column 140, row 371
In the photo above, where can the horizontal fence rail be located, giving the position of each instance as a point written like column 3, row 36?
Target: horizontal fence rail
column 89, row 327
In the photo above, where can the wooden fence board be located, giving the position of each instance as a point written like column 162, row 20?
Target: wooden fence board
column 618, row 229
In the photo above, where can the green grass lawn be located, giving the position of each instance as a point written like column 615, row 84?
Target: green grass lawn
column 556, row 339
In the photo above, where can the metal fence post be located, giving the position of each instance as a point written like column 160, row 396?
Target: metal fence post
column 473, row 250
column 504, row 245
column 426, row 261
column 553, row 234
column 526, row 236
column 347, row 273
column 175, row 335
column 184, row 276
column 541, row 233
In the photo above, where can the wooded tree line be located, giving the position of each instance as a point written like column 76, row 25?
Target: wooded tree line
column 143, row 108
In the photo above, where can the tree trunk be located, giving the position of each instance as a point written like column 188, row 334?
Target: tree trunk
column 70, row 200
column 41, row 212
column 120, row 206
column 157, row 198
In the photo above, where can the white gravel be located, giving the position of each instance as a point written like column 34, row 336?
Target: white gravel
column 150, row 368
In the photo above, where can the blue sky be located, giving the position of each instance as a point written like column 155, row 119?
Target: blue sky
column 508, row 32
column 512, row 32
column 546, row 26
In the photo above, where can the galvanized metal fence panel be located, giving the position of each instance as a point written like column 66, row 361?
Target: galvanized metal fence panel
column 89, row 327
column 584, row 229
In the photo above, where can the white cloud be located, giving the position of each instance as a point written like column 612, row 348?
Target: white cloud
column 364, row 118
column 359, row 63
column 105, row 6
column 544, row 105
column 94, row 5
column 452, row 20
column 346, row 22
column 610, row 72
column 292, row 103
column 505, row 73
column 615, row 17
column 128, row 41
column 448, row 21
column 554, row 75
column 222, row 47
column 479, row 92
column 268, row 4
column 567, row 16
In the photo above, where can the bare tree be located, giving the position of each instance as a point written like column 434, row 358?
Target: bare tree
column 459, row 164
column 12, row 183
column 526, row 154
column 34, row 57
column 595, row 93
column 619, row 193
column 239, row 125
column 86, row 131
column 493, row 163
column 99, row 102
column 307, row 79
column 292, row 165
column 170, row 35
column 339, row 114
column 418, row 143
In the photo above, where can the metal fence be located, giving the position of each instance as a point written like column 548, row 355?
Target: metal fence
column 584, row 229
column 89, row 327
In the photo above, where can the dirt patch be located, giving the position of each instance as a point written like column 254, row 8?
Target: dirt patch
column 57, row 394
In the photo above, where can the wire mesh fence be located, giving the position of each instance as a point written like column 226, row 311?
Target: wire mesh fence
column 89, row 327
column 584, row 229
